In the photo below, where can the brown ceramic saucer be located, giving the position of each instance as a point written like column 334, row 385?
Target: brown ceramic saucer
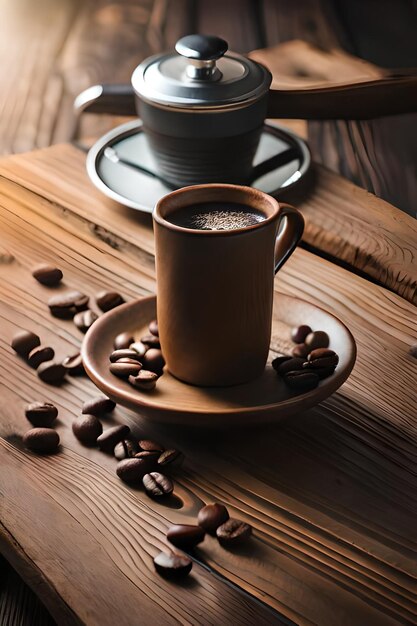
column 266, row 399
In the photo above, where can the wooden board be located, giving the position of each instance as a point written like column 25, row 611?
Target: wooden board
column 331, row 494
column 343, row 222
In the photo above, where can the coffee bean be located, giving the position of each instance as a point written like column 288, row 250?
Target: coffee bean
column 40, row 355
column 233, row 532
column 65, row 305
column 145, row 380
column 321, row 357
column 41, row 413
column 98, row 406
column 107, row 300
column 85, row 319
column 47, row 275
column 151, row 341
column 170, row 459
column 185, row 536
column 51, row 373
column 124, row 368
column 300, row 351
column 139, row 348
column 107, row 440
column 173, row 566
column 318, row 339
column 132, row 470
column 123, row 341
column 324, row 372
column 211, row 516
column 153, row 328
column 279, row 360
column 153, row 361
column 290, row 365
column 125, row 449
column 301, row 380
column 124, row 353
column 149, row 455
column 74, row 365
column 149, row 445
column 41, row 440
column 157, row 485
column 413, row 350
column 87, row 428
column 24, row 341
column 299, row 333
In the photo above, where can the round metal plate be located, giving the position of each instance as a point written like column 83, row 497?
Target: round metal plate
column 140, row 191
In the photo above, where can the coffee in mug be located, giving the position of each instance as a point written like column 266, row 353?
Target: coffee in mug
column 216, row 216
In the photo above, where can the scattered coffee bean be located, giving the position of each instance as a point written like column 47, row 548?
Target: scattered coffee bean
column 47, row 275
column 123, row 341
column 41, row 413
column 51, row 373
column 125, row 449
column 413, row 350
column 124, row 368
column 211, row 516
column 41, row 440
column 132, row 470
column 85, row 319
column 150, row 446
column 290, row 365
column 24, row 341
column 74, row 365
column 173, row 566
column 124, row 353
column 149, row 455
column 170, row 459
column 299, row 334
column 157, row 485
column 153, row 328
column 65, row 305
column 185, row 536
column 98, row 406
column 108, row 439
column 151, row 341
column 317, row 339
column 300, row 351
column 87, row 428
column 153, row 361
column 233, row 532
column 40, row 355
column 321, row 357
column 139, row 348
column 301, row 380
column 107, row 300
column 279, row 360
column 145, row 380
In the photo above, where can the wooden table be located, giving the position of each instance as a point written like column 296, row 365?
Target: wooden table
column 331, row 493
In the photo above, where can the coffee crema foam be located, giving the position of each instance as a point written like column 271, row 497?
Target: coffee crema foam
column 216, row 216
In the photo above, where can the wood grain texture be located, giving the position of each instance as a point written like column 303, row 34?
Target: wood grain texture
column 342, row 221
column 331, row 494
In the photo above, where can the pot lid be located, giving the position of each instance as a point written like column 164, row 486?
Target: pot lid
column 201, row 75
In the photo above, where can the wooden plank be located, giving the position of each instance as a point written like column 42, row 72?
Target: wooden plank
column 375, row 154
column 331, row 494
column 342, row 221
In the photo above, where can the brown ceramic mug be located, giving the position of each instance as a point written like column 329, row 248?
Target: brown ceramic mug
column 215, row 287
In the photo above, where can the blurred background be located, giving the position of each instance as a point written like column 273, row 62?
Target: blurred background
column 54, row 49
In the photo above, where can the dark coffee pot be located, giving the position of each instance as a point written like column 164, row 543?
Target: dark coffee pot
column 203, row 108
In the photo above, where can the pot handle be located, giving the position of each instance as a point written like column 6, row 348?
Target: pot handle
column 110, row 99
column 390, row 95
column 290, row 234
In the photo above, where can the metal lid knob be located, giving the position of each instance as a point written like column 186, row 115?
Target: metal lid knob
column 202, row 51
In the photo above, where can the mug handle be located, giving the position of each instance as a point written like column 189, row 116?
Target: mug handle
column 290, row 235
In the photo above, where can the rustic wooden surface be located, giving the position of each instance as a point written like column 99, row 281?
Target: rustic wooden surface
column 331, row 494
column 342, row 221
column 95, row 41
